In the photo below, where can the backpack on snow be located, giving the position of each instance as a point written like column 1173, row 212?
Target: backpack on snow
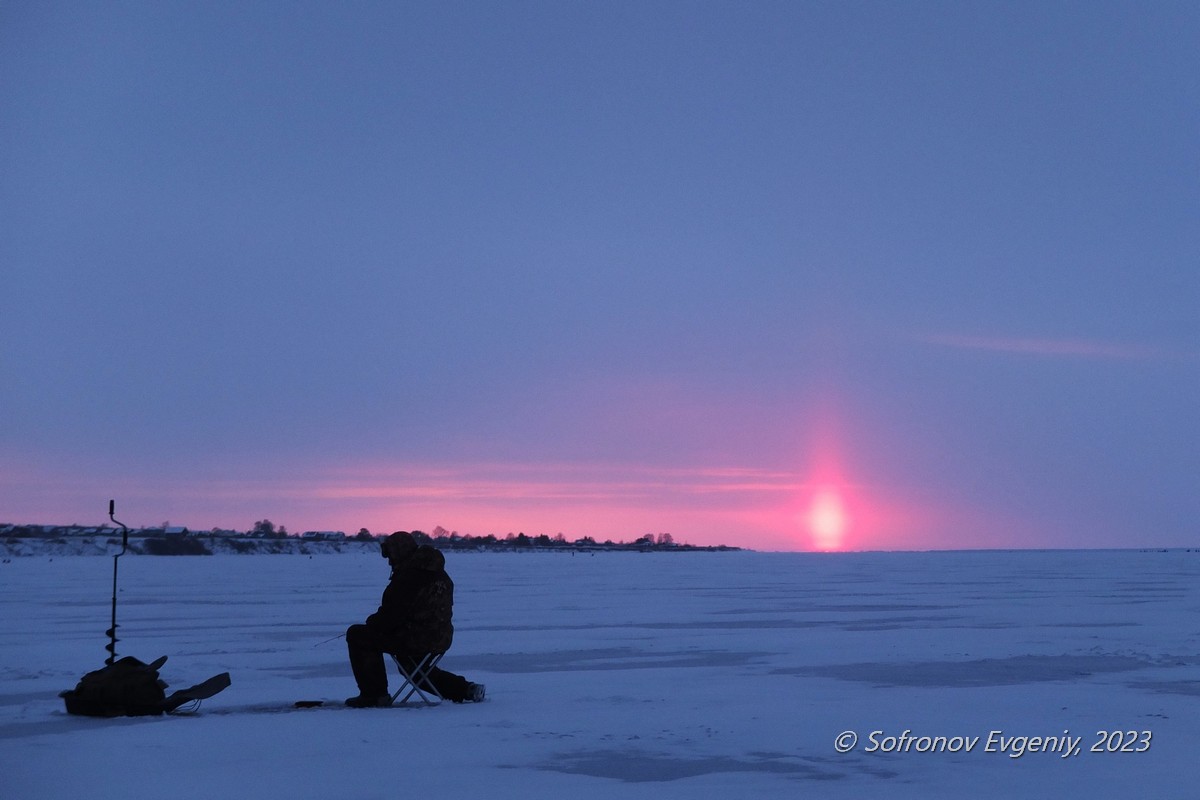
column 129, row 688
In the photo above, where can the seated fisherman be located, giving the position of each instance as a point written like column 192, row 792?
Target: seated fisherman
column 413, row 619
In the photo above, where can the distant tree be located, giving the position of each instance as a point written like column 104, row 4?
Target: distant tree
column 363, row 535
column 665, row 540
column 440, row 533
column 264, row 527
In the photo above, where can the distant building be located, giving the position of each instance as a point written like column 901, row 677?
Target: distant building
column 324, row 535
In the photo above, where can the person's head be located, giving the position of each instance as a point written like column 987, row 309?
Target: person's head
column 398, row 547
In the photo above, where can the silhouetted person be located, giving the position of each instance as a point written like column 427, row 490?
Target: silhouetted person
column 414, row 618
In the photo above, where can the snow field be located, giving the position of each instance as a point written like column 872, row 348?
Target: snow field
column 620, row 676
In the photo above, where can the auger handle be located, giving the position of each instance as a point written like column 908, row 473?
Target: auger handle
column 111, row 647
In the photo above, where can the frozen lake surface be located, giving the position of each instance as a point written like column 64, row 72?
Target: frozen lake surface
column 626, row 676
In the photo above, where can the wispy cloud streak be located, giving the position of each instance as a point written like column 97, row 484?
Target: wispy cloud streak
column 1062, row 348
column 515, row 482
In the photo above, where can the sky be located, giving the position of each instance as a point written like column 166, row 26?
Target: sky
column 781, row 275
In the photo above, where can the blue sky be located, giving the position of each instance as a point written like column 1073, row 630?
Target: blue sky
column 605, row 268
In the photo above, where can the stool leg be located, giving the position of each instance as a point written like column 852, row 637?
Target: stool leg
column 414, row 677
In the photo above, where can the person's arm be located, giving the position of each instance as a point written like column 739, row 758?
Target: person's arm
column 395, row 609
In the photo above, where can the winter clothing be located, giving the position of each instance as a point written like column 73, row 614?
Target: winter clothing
column 414, row 618
column 417, row 604
column 400, row 544
column 370, row 671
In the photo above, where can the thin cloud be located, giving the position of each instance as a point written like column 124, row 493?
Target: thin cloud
column 1055, row 348
column 524, row 482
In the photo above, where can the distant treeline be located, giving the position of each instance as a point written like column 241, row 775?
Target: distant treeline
column 167, row 539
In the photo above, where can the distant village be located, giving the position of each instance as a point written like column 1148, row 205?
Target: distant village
column 265, row 537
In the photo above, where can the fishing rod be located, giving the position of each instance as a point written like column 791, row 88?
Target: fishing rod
column 111, row 647
column 331, row 639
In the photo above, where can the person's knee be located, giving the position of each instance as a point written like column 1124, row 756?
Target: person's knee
column 356, row 634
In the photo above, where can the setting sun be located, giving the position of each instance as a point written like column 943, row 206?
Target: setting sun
column 827, row 520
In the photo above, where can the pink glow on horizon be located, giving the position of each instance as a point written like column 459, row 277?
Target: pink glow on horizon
column 749, row 507
column 699, row 506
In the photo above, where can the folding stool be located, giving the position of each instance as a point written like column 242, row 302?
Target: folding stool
column 417, row 680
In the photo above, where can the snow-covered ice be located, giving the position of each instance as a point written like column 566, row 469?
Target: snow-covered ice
column 624, row 675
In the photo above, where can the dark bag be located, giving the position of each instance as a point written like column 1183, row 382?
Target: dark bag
column 129, row 688
column 124, row 688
